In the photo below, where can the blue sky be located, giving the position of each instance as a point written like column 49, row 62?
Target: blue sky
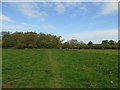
column 83, row 21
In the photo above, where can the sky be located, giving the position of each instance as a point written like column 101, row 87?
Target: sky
column 84, row 21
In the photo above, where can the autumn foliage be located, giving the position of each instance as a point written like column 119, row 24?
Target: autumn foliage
column 22, row 40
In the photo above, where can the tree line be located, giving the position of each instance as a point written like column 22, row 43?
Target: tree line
column 105, row 44
column 22, row 40
column 30, row 40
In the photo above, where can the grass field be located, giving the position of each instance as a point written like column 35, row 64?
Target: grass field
column 57, row 68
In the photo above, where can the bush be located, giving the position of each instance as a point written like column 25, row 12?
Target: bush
column 20, row 46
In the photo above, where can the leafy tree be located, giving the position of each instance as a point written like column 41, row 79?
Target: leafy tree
column 30, row 39
column 90, row 43
column 118, row 44
column 33, row 40
column 118, row 41
column 7, row 40
column 105, row 42
column 111, row 42
column 16, row 38
column 20, row 46
column 83, row 46
column 73, row 44
column 65, row 45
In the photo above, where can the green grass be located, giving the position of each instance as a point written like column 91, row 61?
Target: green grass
column 57, row 68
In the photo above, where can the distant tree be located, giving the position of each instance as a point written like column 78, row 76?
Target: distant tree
column 7, row 40
column 65, row 45
column 118, row 44
column 20, row 45
column 48, row 41
column 106, row 46
column 81, row 42
column 30, row 39
column 3, row 33
column 111, row 42
column 16, row 38
column 90, row 42
column 105, row 42
column 73, row 43
column 118, row 41
column 83, row 46
column 33, row 40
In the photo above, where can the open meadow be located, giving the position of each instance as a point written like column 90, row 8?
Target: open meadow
column 59, row 68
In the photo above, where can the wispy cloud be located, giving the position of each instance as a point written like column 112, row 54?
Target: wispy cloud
column 5, row 18
column 95, row 36
column 59, row 8
column 108, row 8
column 60, row 0
column 95, row 23
column 47, row 26
column 35, row 10
column 17, row 27
column 6, row 26
column 31, row 10
column 62, row 7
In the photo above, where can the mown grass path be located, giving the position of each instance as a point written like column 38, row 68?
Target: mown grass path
column 55, row 82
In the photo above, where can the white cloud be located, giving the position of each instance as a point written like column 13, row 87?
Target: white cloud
column 26, row 24
column 59, row 8
column 5, row 18
column 60, row 1
column 17, row 27
column 73, row 4
column 39, row 10
column 47, row 26
column 75, row 7
column 81, row 9
column 95, row 36
column 22, row 27
column 108, row 8
column 12, row 27
column 95, row 23
column 28, row 10
column 31, row 10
